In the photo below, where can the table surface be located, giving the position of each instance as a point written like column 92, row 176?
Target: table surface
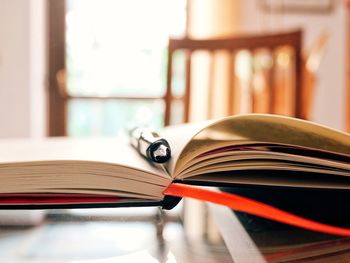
column 149, row 235
column 106, row 235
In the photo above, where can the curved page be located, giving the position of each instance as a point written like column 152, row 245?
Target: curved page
column 249, row 129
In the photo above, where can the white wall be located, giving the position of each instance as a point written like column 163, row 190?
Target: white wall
column 38, row 68
column 330, row 105
column 22, row 68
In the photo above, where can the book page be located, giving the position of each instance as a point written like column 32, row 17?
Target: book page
column 112, row 151
column 250, row 128
column 70, row 165
column 178, row 137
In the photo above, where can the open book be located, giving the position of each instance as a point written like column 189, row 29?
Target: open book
column 253, row 149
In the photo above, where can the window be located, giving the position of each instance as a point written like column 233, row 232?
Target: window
column 114, row 63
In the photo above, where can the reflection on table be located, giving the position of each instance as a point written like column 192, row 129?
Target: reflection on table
column 106, row 235
column 210, row 233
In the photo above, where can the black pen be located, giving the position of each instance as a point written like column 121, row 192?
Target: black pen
column 150, row 145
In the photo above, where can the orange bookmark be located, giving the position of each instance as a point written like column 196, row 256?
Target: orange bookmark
column 253, row 207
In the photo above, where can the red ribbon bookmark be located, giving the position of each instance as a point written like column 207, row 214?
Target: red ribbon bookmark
column 253, row 207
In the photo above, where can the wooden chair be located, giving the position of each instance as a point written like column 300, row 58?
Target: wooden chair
column 311, row 63
column 251, row 43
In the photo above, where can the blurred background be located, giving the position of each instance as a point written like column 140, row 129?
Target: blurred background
column 95, row 68
column 85, row 68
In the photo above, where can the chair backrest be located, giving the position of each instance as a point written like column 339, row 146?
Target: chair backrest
column 311, row 63
column 252, row 43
